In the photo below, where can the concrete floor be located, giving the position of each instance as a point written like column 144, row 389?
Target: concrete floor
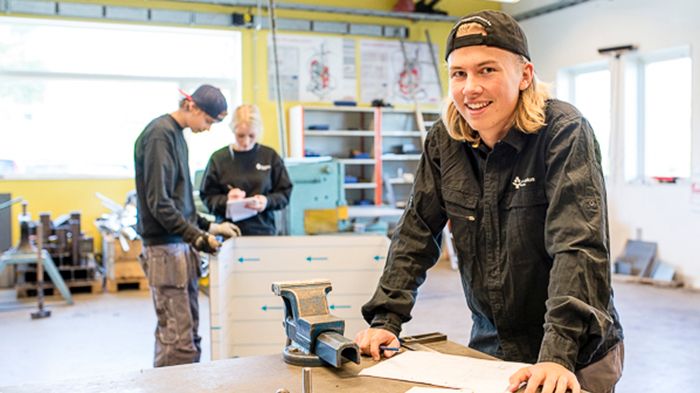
column 113, row 333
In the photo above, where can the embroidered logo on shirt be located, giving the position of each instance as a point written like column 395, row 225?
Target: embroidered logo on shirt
column 517, row 182
column 262, row 167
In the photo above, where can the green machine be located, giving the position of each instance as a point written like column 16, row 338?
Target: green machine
column 318, row 184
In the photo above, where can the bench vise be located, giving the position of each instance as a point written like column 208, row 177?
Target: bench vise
column 314, row 336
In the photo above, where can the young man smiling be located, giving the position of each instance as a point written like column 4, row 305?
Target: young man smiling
column 518, row 175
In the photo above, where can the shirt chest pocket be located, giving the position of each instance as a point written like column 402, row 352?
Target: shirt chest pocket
column 523, row 215
column 461, row 209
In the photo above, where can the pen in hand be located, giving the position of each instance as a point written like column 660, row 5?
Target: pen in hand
column 388, row 348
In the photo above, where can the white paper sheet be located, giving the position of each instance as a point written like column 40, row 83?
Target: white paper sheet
column 460, row 372
column 236, row 210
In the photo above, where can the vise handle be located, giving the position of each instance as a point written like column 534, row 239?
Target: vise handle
column 417, row 342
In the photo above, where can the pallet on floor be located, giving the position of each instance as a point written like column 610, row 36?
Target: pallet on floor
column 26, row 290
column 27, row 274
column 647, row 281
column 130, row 269
column 118, row 284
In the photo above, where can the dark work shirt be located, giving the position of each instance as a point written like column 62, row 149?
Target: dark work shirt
column 259, row 171
column 166, row 211
column 530, row 229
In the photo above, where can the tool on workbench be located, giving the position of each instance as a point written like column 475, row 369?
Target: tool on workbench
column 306, row 386
column 306, row 383
column 314, row 336
column 417, row 342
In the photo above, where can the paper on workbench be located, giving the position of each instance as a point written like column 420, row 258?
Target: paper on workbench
column 236, row 210
column 460, row 372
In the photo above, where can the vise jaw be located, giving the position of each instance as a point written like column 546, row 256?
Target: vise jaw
column 314, row 336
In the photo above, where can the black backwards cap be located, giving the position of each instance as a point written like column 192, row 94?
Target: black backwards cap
column 502, row 31
column 209, row 99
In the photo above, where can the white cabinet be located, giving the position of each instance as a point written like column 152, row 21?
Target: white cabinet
column 379, row 148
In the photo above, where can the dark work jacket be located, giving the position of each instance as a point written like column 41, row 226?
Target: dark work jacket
column 530, row 228
column 166, row 211
column 259, row 171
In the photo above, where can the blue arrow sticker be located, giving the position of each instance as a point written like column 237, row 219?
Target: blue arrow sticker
column 241, row 259
column 265, row 307
column 311, row 259
column 333, row 306
column 377, row 258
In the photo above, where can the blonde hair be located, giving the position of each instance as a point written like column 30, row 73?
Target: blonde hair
column 529, row 111
column 247, row 114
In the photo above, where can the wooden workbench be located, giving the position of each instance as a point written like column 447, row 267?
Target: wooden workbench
column 255, row 374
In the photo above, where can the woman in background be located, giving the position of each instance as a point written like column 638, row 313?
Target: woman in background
column 247, row 169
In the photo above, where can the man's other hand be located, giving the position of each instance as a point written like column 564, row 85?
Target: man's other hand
column 206, row 243
column 553, row 377
column 225, row 229
column 370, row 339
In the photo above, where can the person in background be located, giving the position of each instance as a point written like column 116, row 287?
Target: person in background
column 519, row 177
column 171, row 230
column 247, row 169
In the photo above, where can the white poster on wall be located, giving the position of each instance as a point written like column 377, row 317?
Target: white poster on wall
column 398, row 75
column 313, row 68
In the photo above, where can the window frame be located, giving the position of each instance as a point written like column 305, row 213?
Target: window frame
column 627, row 106
column 636, row 64
column 566, row 91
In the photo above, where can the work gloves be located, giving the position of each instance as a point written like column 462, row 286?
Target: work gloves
column 206, row 242
column 225, row 229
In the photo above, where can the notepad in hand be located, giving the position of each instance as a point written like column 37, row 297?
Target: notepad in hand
column 236, row 210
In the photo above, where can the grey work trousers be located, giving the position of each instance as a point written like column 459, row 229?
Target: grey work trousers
column 601, row 376
column 173, row 272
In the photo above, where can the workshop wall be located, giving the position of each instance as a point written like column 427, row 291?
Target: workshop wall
column 663, row 213
column 255, row 49
column 62, row 196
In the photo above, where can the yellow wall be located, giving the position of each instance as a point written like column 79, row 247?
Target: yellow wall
column 63, row 196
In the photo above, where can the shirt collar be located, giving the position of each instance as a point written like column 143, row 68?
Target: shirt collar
column 515, row 138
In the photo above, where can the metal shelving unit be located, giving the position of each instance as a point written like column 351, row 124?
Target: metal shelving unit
column 379, row 148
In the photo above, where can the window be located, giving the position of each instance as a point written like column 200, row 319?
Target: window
column 74, row 96
column 666, row 117
column 652, row 96
column 588, row 89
